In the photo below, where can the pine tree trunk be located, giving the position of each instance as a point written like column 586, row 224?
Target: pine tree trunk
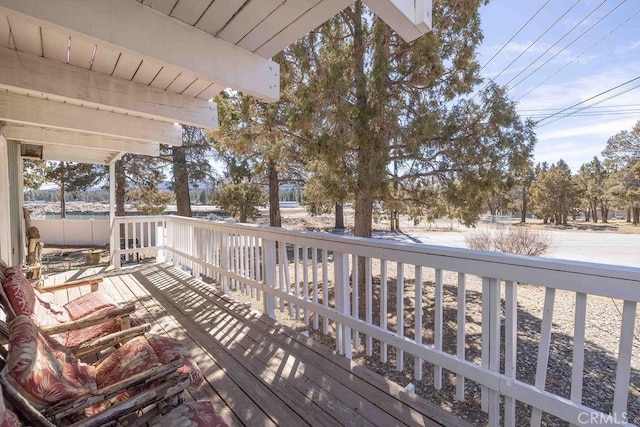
column 339, row 214
column 523, row 217
column 629, row 214
column 181, row 182
column 636, row 215
column 120, row 184
column 604, row 213
column 275, row 219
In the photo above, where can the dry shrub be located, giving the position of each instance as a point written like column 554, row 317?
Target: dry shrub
column 513, row 240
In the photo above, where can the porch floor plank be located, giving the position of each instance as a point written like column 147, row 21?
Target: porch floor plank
column 257, row 371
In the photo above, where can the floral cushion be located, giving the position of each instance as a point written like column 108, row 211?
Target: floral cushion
column 132, row 358
column 168, row 348
column 88, row 304
column 194, row 414
column 21, row 295
column 43, row 370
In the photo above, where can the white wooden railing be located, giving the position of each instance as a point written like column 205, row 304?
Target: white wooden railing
column 311, row 277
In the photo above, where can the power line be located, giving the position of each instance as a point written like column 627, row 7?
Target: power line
column 578, row 56
column 589, row 99
column 603, row 106
column 572, row 42
column 589, row 106
column 556, row 43
column 536, row 40
column 515, row 35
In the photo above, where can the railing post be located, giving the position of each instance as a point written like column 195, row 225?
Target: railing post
column 343, row 294
column 115, row 243
column 224, row 261
column 269, row 302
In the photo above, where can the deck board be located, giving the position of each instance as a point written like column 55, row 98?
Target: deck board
column 259, row 372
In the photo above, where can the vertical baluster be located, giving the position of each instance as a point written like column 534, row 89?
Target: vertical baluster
column 355, row 298
column 510, row 346
column 226, row 262
column 270, row 272
column 305, row 279
column 383, row 308
column 461, row 332
column 314, row 271
column 369, row 303
column 493, row 396
column 417, row 372
column 252, row 264
column 291, row 286
column 296, row 276
column 341, row 280
column 577, row 361
column 437, row 370
column 484, row 357
column 543, row 350
column 623, row 370
column 400, row 314
column 281, row 266
column 260, row 264
column 325, row 290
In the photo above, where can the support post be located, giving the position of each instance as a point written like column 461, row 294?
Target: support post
column 343, row 296
column 269, row 302
column 5, row 211
column 113, row 241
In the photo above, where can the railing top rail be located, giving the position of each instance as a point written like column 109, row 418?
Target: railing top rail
column 599, row 279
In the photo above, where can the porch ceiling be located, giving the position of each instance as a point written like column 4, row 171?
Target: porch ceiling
column 156, row 61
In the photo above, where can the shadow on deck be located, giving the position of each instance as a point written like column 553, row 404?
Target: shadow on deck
column 258, row 372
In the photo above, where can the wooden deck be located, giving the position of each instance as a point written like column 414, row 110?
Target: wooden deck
column 258, row 372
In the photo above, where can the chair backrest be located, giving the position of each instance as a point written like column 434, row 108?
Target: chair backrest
column 3, row 270
column 42, row 370
column 19, row 293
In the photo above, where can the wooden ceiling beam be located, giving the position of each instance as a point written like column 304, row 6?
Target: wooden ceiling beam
column 85, row 141
column 34, row 111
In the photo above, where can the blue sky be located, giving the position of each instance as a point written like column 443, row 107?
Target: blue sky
column 583, row 69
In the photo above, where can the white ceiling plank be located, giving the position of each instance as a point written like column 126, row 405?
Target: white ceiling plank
column 189, row 11
column 196, row 88
column 81, row 53
column 105, row 60
column 28, row 74
column 116, row 24
column 55, row 45
column 402, row 16
column 211, row 92
column 147, row 71
column 65, row 138
column 273, row 24
column 164, row 6
column 250, row 16
column 5, row 36
column 127, row 66
column 313, row 18
column 181, row 83
column 165, row 77
column 26, row 36
column 218, row 14
column 40, row 112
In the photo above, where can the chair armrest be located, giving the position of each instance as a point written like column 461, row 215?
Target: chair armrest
column 166, row 372
column 110, row 340
column 93, row 281
column 90, row 320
